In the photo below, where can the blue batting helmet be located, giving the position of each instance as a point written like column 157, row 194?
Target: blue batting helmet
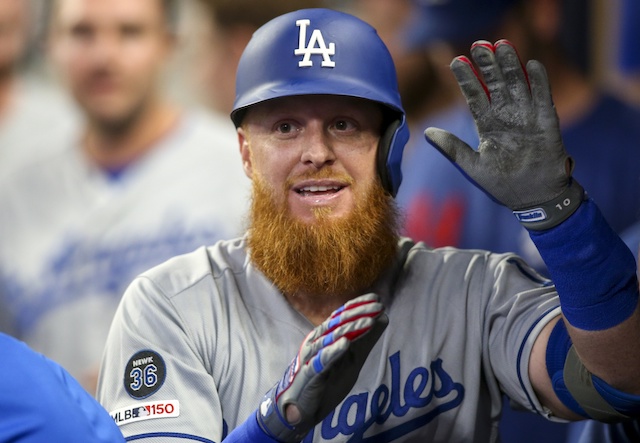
column 323, row 51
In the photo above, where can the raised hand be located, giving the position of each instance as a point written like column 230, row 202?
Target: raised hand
column 521, row 161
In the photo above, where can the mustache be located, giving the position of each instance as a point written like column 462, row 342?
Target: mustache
column 326, row 173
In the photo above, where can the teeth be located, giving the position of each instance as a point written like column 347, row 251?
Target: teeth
column 319, row 188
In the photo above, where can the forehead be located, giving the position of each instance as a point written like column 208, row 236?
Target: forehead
column 68, row 12
column 317, row 105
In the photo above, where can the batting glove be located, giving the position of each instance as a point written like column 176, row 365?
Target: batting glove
column 324, row 371
column 521, row 161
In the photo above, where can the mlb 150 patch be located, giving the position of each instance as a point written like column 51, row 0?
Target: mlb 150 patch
column 146, row 411
column 144, row 374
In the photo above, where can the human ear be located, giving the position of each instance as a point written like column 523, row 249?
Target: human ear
column 245, row 152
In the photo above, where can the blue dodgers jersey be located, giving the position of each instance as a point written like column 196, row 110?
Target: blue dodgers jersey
column 212, row 334
column 41, row 402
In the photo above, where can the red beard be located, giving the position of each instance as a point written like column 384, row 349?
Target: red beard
column 330, row 257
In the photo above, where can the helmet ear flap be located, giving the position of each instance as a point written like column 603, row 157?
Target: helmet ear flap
column 389, row 156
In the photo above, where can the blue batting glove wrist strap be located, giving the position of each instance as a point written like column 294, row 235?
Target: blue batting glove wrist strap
column 593, row 270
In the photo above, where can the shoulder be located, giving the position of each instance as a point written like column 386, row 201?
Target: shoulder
column 58, row 156
column 206, row 125
column 420, row 253
column 205, row 265
column 40, row 399
column 462, row 266
column 16, row 355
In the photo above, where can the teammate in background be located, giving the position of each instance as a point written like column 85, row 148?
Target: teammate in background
column 400, row 342
column 26, row 100
column 626, row 34
column 41, row 402
column 141, row 182
column 228, row 28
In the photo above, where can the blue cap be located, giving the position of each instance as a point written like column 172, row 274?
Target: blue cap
column 454, row 21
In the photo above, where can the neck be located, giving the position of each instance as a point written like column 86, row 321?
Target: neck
column 114, row 148
column 7, row 86
column 317, row 308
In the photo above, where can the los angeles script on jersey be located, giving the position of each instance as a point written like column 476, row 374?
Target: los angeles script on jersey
column 410, row 403
column 358, row 413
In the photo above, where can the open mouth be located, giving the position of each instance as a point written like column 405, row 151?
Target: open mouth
column 318, row 190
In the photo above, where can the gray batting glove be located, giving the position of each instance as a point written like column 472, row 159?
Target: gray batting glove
column 324, row 371
column 521, row 161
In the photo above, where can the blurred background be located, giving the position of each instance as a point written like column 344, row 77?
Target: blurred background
column 590, row 48
column 606, row 44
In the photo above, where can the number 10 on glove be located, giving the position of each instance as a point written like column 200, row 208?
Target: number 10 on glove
column 324, row 370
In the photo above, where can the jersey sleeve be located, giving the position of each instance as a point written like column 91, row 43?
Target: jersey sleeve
column 512, row 325
column 40, row 401
column 155, row 380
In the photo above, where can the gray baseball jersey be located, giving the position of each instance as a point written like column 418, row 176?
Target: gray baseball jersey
column 73, row 237
column 198, row 340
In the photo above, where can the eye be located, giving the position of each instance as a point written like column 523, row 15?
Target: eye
column 344, row 125
column 82, row 31
column 131, row 30
column 286, row 127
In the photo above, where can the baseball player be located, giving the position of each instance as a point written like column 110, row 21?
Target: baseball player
column 141, row 181
column 391, row 341
column 41, row 402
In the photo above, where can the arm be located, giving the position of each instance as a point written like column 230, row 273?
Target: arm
column 521, row 163
column 599, row 295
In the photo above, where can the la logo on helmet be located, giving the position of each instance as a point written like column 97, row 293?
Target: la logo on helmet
column 316, row 46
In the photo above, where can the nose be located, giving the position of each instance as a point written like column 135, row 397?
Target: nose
column 318, row 149
column 104, row 49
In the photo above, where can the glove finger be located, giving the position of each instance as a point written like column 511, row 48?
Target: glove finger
column 351, row 330
column 474, row 90
column 331, row 374
column 371, row 296
column 484, row 56
column 457, row 151
column 365, row 342
column 330, row 322
column 363, row 306
column 356, row 339
column 342, row 359
column 514, row 73
column 541, row 95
